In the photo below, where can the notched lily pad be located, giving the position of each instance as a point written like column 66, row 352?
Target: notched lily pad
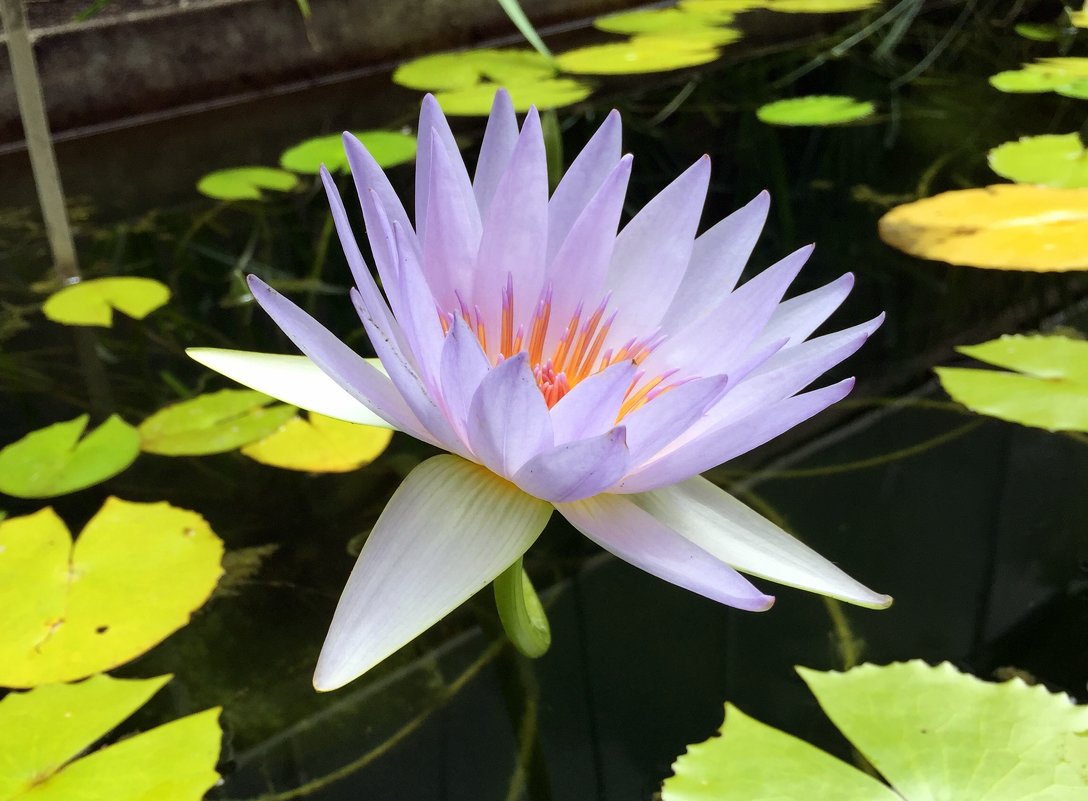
column 639, row 54
column 1048, row 390
column 820, row 6
column 320, row 445
column 447, row 71
column 92, row 302
column 1052, row 160
column 43, row 733
column 55, row 461
column 815, row 110
column 706, row 27
column 134, row 576
column 246, row 183
column 1066, row 75
column 389, row 149
column 550, row 93
column 216, row 422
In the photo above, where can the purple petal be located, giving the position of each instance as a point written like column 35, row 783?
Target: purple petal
column 634, row 535
column 369, row 177
column 418, row 313
column 654, row 425
column 575, row 470
column 795, row 319
column 450, row 238
column 447, row 532
column 592, row 406
column 508, row 421
column 433, row 126
column 500, row 136
column 464, row 366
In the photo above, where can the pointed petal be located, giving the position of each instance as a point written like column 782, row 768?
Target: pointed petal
column 592, row 406
column 634, row 535
column 451, row 235
column 292, row 379
column 720, row 524
column 447, row 532
column 575, row 470
column 581, row 181
column 433, row 126
column 795, row 319
column 717, row 260
column 653, row 426
column 418, row 312
column 508, row 421
column 500, row 136
column 464, row 366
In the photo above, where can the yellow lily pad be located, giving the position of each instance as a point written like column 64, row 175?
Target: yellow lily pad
column 448, row 71
column 92, row 302
column 820, row 6
column 55, row 461
column 44, row 731
column 134, row 576
column 215, row 422
column 320, row 445
column 1002, row 227
column 637, row 55
column 715, row 7
column 246, row 183
column 545, row 94
column 674, row 22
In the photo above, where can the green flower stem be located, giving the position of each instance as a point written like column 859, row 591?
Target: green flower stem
column 521, row 612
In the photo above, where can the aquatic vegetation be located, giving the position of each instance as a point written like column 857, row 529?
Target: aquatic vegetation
column 1049, row 388
column 676, row 23
column 215, row 422
column 563, row 367
column 390, row 148
column 639, row 54
column 71, row 610
column 1058, row 160
column 1066, row 75
column 92, row 301
column 1001, row 227
column 246, row 183
column 45, row 735
column 815, row 110
column 320, row 444
column 930, row 732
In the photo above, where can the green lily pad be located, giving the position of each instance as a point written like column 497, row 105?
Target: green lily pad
column 448, row 71
column 1049, row 389
column 43, row 733
column 92, row 302
column 134, row 576
column 820, row 6
column 389, row 149
column 665, row 22
column 716, row 7
column 246, row 183
column 815, row 110
column 216, row 422
column 1075, row 89
column 1053, row 160
column 932, row 732
column 550, row 93
column 1066, row 75
column 639, row 54
column 1038, row 32
column 54, row 461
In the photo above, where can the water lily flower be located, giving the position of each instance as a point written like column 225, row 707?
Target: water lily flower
column 563, row 367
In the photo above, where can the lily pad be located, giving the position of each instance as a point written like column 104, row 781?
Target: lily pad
column 815, row 110
column 1048, row 390
column 1067, row 75
column 716, row 7
column 1053, row 160
column 134, row 576
column 550, row 93
column 320, row 445
column 1003, row 227
column 447, row 71
column 389, row 149
column 1079, row 19
column 1038, row 32
column 43, row 733
column 216, row 422
column 673, row 22
column 92, row 302
column 246, row 183
column 931, row 732
column 639, row 54
column 820, row 6
column 55, row 461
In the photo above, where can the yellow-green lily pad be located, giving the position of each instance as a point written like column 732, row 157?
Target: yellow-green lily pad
column 671, row 22
column 815, row 110
column 389, row 149
column 1051, row 159
column 549, row 93
column 92, row 302
column 55, row 461
column 448, row 71
column 1048, row 390
column 720, row 7
column 44, row 732
column 134, row 576
column 246, row 183
column 1066, row 75
column 640, row 54
column 320, row 445
column 1038, row 32
column 215, row 422
column 820, row 6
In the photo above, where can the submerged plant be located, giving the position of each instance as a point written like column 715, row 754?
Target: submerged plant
column 563, row 367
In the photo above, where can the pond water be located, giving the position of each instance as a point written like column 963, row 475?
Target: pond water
column 974, row 525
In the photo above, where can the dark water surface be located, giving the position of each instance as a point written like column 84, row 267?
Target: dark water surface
column 975, row 526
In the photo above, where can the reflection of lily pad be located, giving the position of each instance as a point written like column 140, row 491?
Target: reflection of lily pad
column 245, row 183
column 462, row 70
column 673, row 22
column 389, row 148
column 92, row 302
column 1054, row 160
column 44, row 732
column 1004, row 227
column 1049, row 389
column 136, row 573
column 637, row 55
column 815, row 110
column 54, row 461
column 550, row 93
column 320, row 445
column 931, row 732
column 213, row 423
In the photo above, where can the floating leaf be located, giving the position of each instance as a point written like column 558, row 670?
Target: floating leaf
column 1038, row 32
column 54, row 461
column 92, row 302
column 446, row 71
column 216, row 422
column 1004, row 227
column 44, row 731
column 1053, row 160
column 672, row 22
column 1079, row 19
column 389, row 149
column 1049, row 389
column 815, row 110
column 134, row 576
column 637, row 55
column 933, row 733
column 245, row 183
column 720, row 7
column 820, row 6
column 1067, row 75
column 551, row 93
column 320, row 445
